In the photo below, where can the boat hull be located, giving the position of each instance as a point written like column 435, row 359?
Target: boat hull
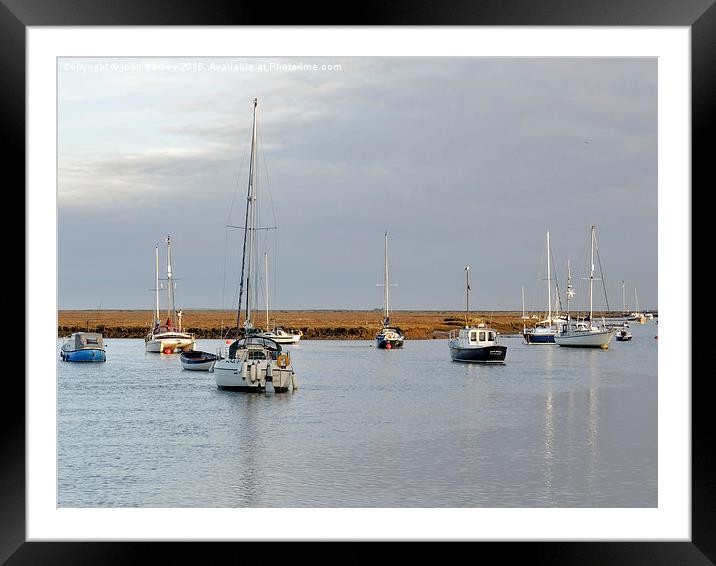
column 383, row 344
column 532, row 338
column 162, row 345
column 585, row 339
column 481, row 354
column 198, row 361
column 89, row 355
column 234, row 375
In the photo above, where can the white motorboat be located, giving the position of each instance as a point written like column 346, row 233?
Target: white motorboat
column 389, row 337
column 166, row 337
column 583, row 333
column 251, row 361
column 476, row 344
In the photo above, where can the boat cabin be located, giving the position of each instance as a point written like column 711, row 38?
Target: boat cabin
column 258, row 347
column 471, row 336
column 85, row 341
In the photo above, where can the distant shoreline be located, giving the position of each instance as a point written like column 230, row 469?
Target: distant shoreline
column 325, row 324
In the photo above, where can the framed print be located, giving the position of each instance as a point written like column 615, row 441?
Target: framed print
column 456, row 155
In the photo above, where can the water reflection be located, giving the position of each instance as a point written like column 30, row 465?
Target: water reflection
column 367, row 428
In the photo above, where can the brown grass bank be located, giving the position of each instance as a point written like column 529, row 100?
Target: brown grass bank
column 316, row 325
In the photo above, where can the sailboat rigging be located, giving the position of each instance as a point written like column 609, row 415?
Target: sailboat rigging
column 584, row 333
column 389, row 337
column 252, row 360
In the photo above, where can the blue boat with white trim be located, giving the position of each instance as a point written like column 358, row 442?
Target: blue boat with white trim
column 83, row 347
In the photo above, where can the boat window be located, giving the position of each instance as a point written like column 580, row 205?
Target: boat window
column 482, row 336
column 473, row 336
column 257, row 355
column 491, row 336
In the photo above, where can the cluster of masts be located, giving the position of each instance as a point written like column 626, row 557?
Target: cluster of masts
column 255, row 357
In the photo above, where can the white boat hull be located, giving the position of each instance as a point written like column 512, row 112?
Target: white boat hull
column 586, row 339
column 160, row 345
column 237, row 375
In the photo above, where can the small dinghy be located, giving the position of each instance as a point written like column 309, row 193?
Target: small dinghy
column 623, row 335
column 198, row 361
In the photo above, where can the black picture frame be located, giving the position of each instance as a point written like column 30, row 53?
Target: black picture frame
column 17, row 15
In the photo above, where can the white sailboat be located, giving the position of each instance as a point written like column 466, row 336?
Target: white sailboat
column 277, row 333
column 251, row 360
column 167, row 337
column 389, row 337
column 583, row 333
column 543, row 332
column 622, row 333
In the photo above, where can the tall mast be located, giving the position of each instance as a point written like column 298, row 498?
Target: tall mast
column 623, row 300
column 170, row 283
column 251, row 217
column 636, row 301
column 385, row 298
column 267, row 288
column 156, row 284
column 549, row 285
column 523, row 301
column 467, row 294
column 570, row 289
column 591, row 277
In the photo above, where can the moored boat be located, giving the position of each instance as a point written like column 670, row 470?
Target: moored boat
column 251, row 361
column 282, row 336
column 167, row 338
column 476, row 344
column 583, row 333
column 623, row 335
column 543, row 332
column 83, row 347
column 277, row 333
column 389, row 337
column 195, row 360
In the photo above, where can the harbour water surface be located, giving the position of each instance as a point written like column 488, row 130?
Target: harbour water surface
column 552, row 427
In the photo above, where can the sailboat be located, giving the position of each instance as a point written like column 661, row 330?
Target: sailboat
column 543, row 331
column 583, row 333
column 166, row 337
column 389, row 337
column 637, row 315
column 623, row 334
column 475, row 343
column 251, row 360
column 277, row 333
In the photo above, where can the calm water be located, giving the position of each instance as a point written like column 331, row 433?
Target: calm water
column 403, row 428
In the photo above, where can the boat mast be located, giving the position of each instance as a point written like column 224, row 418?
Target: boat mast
column 170, row 283
column 570, row 289
column 591, row 276
column 251, row 218
column 549, row 285
column 636, row 301
column 156, row 285
column 386, row 319
column 267, row 288
column 467, row 295
column 523, row 302
column 623, row 300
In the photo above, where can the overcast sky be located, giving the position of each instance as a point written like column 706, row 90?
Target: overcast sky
column 464, row 161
